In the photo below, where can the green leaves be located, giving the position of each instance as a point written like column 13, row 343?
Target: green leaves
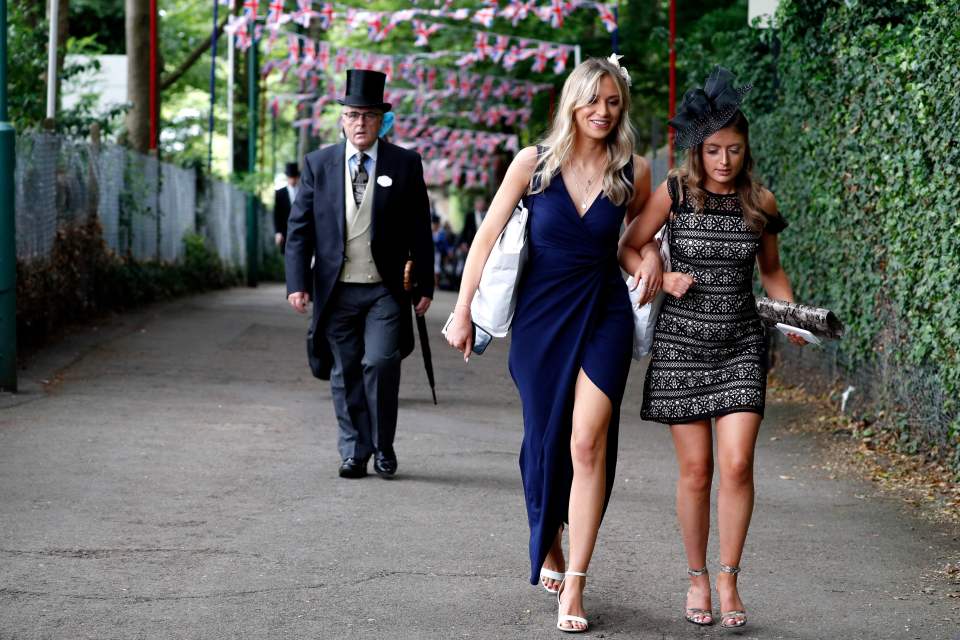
column 862, row 150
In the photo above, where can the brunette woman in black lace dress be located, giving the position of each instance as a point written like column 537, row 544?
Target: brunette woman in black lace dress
column 709, row 351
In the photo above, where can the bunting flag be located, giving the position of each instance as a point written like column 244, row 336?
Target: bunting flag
column 540, row 59
column 555, row 13
column 304, row 13
column 380, row 24
column 485, row 16
column 275, row 13
column 482, row 46
column 451, row 154
column 560, row 61
column 499, row 48
column 326, row 15
column 607, row 17
column 423, row 32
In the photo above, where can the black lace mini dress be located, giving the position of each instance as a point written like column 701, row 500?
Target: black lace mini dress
column 709, row 354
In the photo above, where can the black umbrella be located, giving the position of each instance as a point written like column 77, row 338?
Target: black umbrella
column 427, row 357
column 421, row 328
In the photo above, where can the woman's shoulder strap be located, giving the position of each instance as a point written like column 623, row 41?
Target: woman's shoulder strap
column 538, row 167
column 628, row 170
column 673, row 188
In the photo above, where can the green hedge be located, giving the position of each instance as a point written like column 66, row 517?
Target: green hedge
column 861, row 148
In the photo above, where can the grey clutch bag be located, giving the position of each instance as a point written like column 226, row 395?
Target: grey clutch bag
column 820, row 322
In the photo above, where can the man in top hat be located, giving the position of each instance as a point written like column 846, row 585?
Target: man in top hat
column 281, row 203
column 362, row 210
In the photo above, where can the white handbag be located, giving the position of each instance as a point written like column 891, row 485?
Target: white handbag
column 496, row 297
column 645, row 316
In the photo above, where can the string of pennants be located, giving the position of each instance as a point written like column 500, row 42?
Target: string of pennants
column 463, row 157
column 310, row 60
column 498, row 48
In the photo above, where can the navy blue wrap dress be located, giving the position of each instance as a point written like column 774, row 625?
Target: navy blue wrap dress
column 572, row 313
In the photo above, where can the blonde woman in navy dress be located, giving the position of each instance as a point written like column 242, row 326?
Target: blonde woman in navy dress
column 709, row 352
column 572, row 331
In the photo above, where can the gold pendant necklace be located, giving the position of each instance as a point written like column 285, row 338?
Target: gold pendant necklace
column 585, row 191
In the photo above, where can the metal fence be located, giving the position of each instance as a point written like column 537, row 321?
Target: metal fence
column 145, row 206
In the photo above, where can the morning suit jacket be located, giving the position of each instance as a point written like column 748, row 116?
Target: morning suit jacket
column 400, row 230
column 281, row 210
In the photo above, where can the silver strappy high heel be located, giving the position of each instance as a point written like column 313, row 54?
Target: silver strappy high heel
column 737, row 617
column 699, row 617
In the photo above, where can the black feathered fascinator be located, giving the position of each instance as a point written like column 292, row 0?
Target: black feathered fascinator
column 705, row 111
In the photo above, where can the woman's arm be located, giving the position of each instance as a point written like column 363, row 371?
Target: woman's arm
column 515, row 182
column 638, row 251
column 773, row 278
column 650, row 269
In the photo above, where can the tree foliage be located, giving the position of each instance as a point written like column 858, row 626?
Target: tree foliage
column 862, row 150
column 26, row 70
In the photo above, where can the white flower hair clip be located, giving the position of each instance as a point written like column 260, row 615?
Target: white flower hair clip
column 614, row 59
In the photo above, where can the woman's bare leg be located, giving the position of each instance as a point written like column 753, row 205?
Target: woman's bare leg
column 588, row 449
column 694, row 446
column 736, row 440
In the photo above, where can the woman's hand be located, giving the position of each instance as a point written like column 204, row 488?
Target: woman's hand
column 677, row 284
column 460, row 331
column 797, row 340
column 650, row 272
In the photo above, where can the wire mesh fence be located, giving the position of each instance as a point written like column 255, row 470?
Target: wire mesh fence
column 906, row 398
column 145, row 206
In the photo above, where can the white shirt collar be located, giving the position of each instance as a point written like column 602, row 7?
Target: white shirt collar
column 371, row 152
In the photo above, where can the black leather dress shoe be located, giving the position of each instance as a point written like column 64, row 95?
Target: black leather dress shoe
column 385, row 465
column 353, row 468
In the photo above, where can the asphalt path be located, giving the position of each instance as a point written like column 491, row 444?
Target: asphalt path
column 172, row 473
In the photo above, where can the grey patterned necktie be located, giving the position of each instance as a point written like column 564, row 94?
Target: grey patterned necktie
column 360, row 179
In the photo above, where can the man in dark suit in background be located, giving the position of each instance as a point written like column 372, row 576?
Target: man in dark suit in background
column 281, row 204
column 362, row 210
column 472, row 220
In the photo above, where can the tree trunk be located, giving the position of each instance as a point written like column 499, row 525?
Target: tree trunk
column 138, row 74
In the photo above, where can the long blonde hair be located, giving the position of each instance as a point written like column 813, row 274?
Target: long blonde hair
column 748, row 189
column 579, row 90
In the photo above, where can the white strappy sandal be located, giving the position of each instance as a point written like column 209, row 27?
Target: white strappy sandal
column 568, row 618
column 549, row 574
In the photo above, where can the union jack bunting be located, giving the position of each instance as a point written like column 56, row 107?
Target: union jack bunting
column 423, row 31
column 340, row 61
column 304, row 13
column 499, row 48
column 607, row 17
column 275, row 13
column 540, row 59
column 560, row 56
column 556, row 13
column 482, row 46
column 326, row 15
column 485, row 16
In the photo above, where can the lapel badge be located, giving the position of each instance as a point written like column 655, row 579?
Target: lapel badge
column 384, row 181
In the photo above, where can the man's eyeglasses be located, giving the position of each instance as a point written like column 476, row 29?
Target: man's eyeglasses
column 353, row 116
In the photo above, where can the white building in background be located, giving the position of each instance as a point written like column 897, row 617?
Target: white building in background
column 109, row 84
column 763, row 9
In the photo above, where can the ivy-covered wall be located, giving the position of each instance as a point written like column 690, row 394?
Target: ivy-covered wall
column 862, row 149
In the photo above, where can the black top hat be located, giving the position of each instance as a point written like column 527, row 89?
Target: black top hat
column 292, row 170
column 705, row 111
column 365, row 89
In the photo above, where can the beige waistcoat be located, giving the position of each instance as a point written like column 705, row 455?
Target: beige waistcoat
column 358, row 266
